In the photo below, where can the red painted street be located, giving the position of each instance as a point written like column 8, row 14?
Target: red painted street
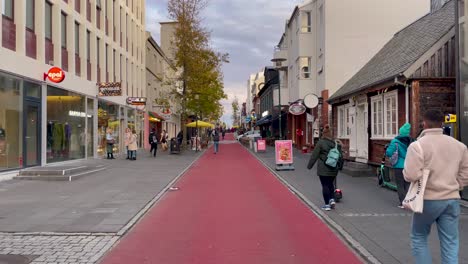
column 230, row 209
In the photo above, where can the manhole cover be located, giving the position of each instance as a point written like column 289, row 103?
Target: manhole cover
column 16, row 259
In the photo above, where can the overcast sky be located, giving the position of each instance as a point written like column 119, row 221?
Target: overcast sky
column 246, row 29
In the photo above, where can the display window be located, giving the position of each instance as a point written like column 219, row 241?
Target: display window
column 10, row 123
column 90, row 127
column 108, row 121
column 66, row 117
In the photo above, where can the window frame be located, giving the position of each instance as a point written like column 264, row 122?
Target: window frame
column 343, row 117
column 307, row 27
column 385, row 125
column 12, row 17
column 30, row 16
column 301, row 73
column 63, row 30
column 46, row 26
column 77, row 38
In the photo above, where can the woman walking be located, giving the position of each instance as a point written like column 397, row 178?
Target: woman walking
column 397, row 152
column 110, row 141
column 327, row 173
column 128, row 136
column 164, row 140
column 133, row 146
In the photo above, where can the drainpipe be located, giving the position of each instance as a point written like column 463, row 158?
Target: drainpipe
column 407, row 86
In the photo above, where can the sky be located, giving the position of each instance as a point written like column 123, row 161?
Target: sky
column 246, row 29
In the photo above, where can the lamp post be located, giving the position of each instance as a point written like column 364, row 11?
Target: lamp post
column 197, row 97
column 279, row 68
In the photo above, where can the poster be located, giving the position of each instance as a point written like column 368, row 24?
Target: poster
column 261, row 145
column 283, row 152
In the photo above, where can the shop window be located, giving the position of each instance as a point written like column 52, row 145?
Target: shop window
column 108, row 121
column 66, row 117
column 90, row 127
column 10, row 123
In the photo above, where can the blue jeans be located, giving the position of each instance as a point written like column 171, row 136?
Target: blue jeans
column 216, row 147
column 133, row 154
column 445, row 213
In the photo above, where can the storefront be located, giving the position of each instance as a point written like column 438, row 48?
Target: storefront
column 110, row 118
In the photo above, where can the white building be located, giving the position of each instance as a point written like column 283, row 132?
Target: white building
column 96, row 43
column 327, row 42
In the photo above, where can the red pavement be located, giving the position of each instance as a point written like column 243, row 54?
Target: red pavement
column 230, row 209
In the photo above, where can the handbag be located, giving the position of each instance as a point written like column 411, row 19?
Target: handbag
column 414, row 199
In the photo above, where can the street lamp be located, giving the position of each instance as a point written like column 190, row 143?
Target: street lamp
column 278, row 61
column 197, row 97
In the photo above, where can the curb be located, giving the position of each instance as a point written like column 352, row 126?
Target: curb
column 356, row 246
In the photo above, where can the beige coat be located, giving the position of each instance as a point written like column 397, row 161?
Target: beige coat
column 132, row 144
column 445, row 157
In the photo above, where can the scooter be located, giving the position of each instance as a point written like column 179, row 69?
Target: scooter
column 338, row 192
column 383, row 174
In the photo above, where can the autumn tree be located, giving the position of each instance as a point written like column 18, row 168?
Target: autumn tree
column 235, row 112
column 201, row 80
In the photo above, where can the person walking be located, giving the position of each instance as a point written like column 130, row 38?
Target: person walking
column 326, row 173
column 223, row 133
column 110, row 141
column 133, row 145
column 153, row 140
column 447, row 160
column 216, row 140
column 397, row 152
column 163, row 140
column 128, row 136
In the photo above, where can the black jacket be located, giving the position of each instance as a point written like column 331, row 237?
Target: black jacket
column 320, row 154
column 153, row 138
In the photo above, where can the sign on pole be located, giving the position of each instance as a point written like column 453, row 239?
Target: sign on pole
column 261, row 145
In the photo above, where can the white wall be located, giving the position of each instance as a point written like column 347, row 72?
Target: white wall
column 356, row 30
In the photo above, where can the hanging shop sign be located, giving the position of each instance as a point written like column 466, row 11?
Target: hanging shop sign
column 311, row 100
column 297, row 109
column 110, row 89
column 136, row 100
column 450, row 118
column 55, row 75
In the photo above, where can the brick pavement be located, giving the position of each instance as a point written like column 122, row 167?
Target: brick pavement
column 78, row 221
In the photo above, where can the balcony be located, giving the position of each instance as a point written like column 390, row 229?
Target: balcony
column 280, row 52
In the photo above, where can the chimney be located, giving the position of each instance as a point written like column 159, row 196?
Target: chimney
column 437, row 4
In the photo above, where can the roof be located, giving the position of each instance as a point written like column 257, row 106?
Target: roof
column 402, row 51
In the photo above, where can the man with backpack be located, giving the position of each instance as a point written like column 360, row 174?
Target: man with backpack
column 153, row 140
column 396, row 151
column 329, row 156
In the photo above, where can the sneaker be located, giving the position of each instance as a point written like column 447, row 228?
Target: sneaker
column 332, row 203
column 326, row 207
column 401, row 206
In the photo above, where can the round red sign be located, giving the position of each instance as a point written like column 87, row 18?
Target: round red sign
column 56, row 75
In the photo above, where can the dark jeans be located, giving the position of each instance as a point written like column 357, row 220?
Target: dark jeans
column 154, row 149
column 328, row 188
column 402, row 185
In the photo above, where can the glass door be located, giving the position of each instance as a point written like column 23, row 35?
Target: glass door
column 32, row 134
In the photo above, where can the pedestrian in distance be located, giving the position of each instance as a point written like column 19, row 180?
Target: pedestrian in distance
column 397, row 152
column 110, row 141
column 327, row 153
column 133, row 145
column 447, row 160
column 153, row 140
column 128, row 135
column 223, row 133
column 163, row 140
column 216, row 140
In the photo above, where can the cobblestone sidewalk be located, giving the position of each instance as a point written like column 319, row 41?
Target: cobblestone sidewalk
column 58, row 249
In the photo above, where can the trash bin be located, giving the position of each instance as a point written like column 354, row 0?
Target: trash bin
column 174, row 146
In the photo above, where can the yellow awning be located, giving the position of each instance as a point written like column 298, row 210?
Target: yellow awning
column 200, row 124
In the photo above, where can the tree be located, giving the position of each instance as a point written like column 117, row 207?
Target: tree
column 200, row 76
column 235, row 112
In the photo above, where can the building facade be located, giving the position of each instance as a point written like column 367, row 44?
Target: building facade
column 326, row 42
column 95, row 44
column 162, row 107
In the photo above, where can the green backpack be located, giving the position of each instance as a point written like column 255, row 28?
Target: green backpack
column 333, row 156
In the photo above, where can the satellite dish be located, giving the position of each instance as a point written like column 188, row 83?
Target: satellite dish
column 311, row 101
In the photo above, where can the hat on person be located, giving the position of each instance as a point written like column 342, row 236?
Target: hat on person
column 405, row 130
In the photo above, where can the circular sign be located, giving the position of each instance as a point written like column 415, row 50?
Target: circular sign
column 56, row 75
column 311, row 100
column 297, row 109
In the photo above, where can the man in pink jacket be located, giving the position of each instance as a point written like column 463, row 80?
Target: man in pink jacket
column 447, row 160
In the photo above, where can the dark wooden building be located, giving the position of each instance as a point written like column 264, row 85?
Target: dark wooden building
column 413, row 72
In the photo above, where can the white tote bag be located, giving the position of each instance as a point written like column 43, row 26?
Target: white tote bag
column 414, row 199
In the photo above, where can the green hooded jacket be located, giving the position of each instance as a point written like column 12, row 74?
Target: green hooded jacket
column 320, row 154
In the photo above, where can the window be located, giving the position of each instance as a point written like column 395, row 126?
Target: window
column 29, row 14
column 77, row 38
column 385, row 115
column 8, row 9
column 48, row 21
column 306, row 22
column 98, row 4
column 98, row 49
column 304, row 64
column 344, row 120
column 88, row 45
column 63, row 20
column 107, row 58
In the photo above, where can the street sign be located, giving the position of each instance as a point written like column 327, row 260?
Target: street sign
column 136, row 100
